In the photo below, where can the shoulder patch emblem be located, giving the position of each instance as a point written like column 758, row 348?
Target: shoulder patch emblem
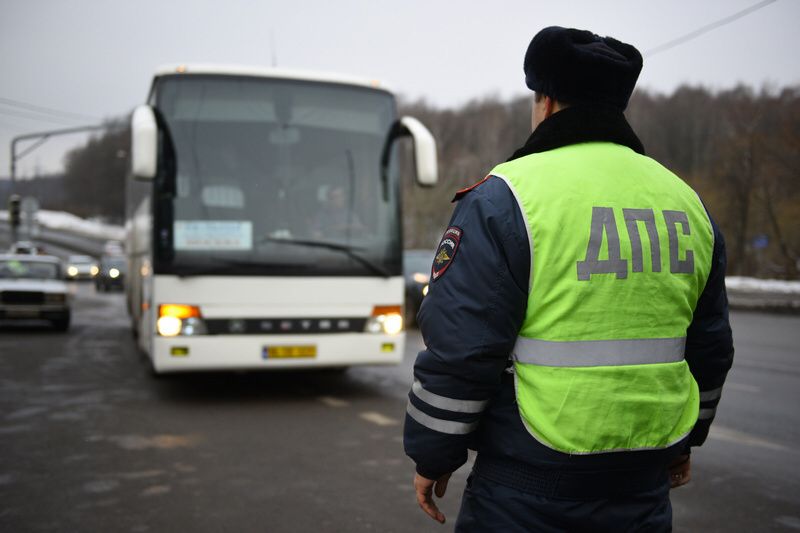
column 446, row 251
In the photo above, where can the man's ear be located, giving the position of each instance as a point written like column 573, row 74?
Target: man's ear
column 549, row 106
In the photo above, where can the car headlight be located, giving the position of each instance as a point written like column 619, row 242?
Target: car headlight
column 385, row 319
column 94, row 270
column 419, row 277
column 178, row 319
column 113, row 273
column 72, row 271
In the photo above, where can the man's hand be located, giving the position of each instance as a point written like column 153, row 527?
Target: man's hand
column 424, row 488
column 680, row 471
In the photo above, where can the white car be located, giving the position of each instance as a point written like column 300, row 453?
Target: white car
column 32, row 287
column 81, row 267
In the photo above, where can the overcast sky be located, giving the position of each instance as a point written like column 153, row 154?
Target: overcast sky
column 96, row 57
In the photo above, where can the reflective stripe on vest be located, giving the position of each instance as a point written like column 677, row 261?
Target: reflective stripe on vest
column 620, row 252
column 599, row 353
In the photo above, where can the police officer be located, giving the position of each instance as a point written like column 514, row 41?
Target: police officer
column 576, row 329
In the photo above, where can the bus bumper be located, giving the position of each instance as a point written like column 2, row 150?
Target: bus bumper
column 252, row 352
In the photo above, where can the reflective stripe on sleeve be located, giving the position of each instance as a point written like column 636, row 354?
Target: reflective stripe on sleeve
column 448, row 404
column 707, row 396
column 705, row 414
column 437, row 424
column 599, row 353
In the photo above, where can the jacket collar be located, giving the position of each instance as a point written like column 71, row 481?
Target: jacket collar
column 580, row 124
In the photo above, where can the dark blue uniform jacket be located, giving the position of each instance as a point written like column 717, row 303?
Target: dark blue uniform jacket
column 463, row 395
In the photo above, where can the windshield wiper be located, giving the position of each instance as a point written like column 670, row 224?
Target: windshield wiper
column 350, row 251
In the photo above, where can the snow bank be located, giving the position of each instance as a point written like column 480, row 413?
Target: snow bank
column 69, row 223
column 73, row 224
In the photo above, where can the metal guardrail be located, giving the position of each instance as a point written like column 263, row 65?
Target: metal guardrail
column 745, row 299
column 73, row 241
column 764, row 301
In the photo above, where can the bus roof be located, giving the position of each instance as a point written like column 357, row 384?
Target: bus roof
column 267, row 72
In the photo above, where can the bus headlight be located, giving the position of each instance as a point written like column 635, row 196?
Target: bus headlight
column 385, row 319
column 169, row 326
column 393, row 324
column 178, row 319
column 419, row 277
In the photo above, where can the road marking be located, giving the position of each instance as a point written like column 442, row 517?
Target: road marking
column 184, row 468
column 789, row 521
column 100, row 343
column 763, row 365
column 332, row 401
column 742, row 387
column 731, row 435
column 103, row 485
column 144, row 474
column 26, row 412
column 379, row 419
column 156, row 490
column 141, row 442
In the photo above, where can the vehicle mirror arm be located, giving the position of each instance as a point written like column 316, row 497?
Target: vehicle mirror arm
column 396, row 131
column 425, row 159
column 170, row 163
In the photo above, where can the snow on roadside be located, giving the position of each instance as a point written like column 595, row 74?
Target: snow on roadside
column 70, row 223
column 88, row 228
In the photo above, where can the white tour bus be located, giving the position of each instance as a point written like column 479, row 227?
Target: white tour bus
column 264, row 220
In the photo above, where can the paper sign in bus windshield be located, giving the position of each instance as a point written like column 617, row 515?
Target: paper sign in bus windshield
column 213, row 235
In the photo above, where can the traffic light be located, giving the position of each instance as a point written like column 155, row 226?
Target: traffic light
column 13, row 210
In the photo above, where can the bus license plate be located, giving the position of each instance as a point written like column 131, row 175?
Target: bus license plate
column 288, row 352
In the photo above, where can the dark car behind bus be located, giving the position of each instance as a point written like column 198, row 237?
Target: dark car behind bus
column 112, row 273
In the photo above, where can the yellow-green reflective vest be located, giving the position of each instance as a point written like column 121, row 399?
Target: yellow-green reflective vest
column 620, row 253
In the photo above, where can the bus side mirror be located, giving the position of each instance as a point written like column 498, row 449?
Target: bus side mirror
column 144, row 143
column 425, row 163
column 424, row 151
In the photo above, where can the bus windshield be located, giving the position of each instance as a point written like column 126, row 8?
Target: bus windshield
column 276, row 176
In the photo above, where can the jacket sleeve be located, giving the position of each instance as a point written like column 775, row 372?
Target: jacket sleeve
column 709, row 342
column 469, row 322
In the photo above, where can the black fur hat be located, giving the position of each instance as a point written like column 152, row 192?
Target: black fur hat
column 577, row 66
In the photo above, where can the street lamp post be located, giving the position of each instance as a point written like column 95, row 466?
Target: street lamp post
column 40, row 137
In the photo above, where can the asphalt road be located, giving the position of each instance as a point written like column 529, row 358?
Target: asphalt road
column 747, row 475
column 90, row 441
